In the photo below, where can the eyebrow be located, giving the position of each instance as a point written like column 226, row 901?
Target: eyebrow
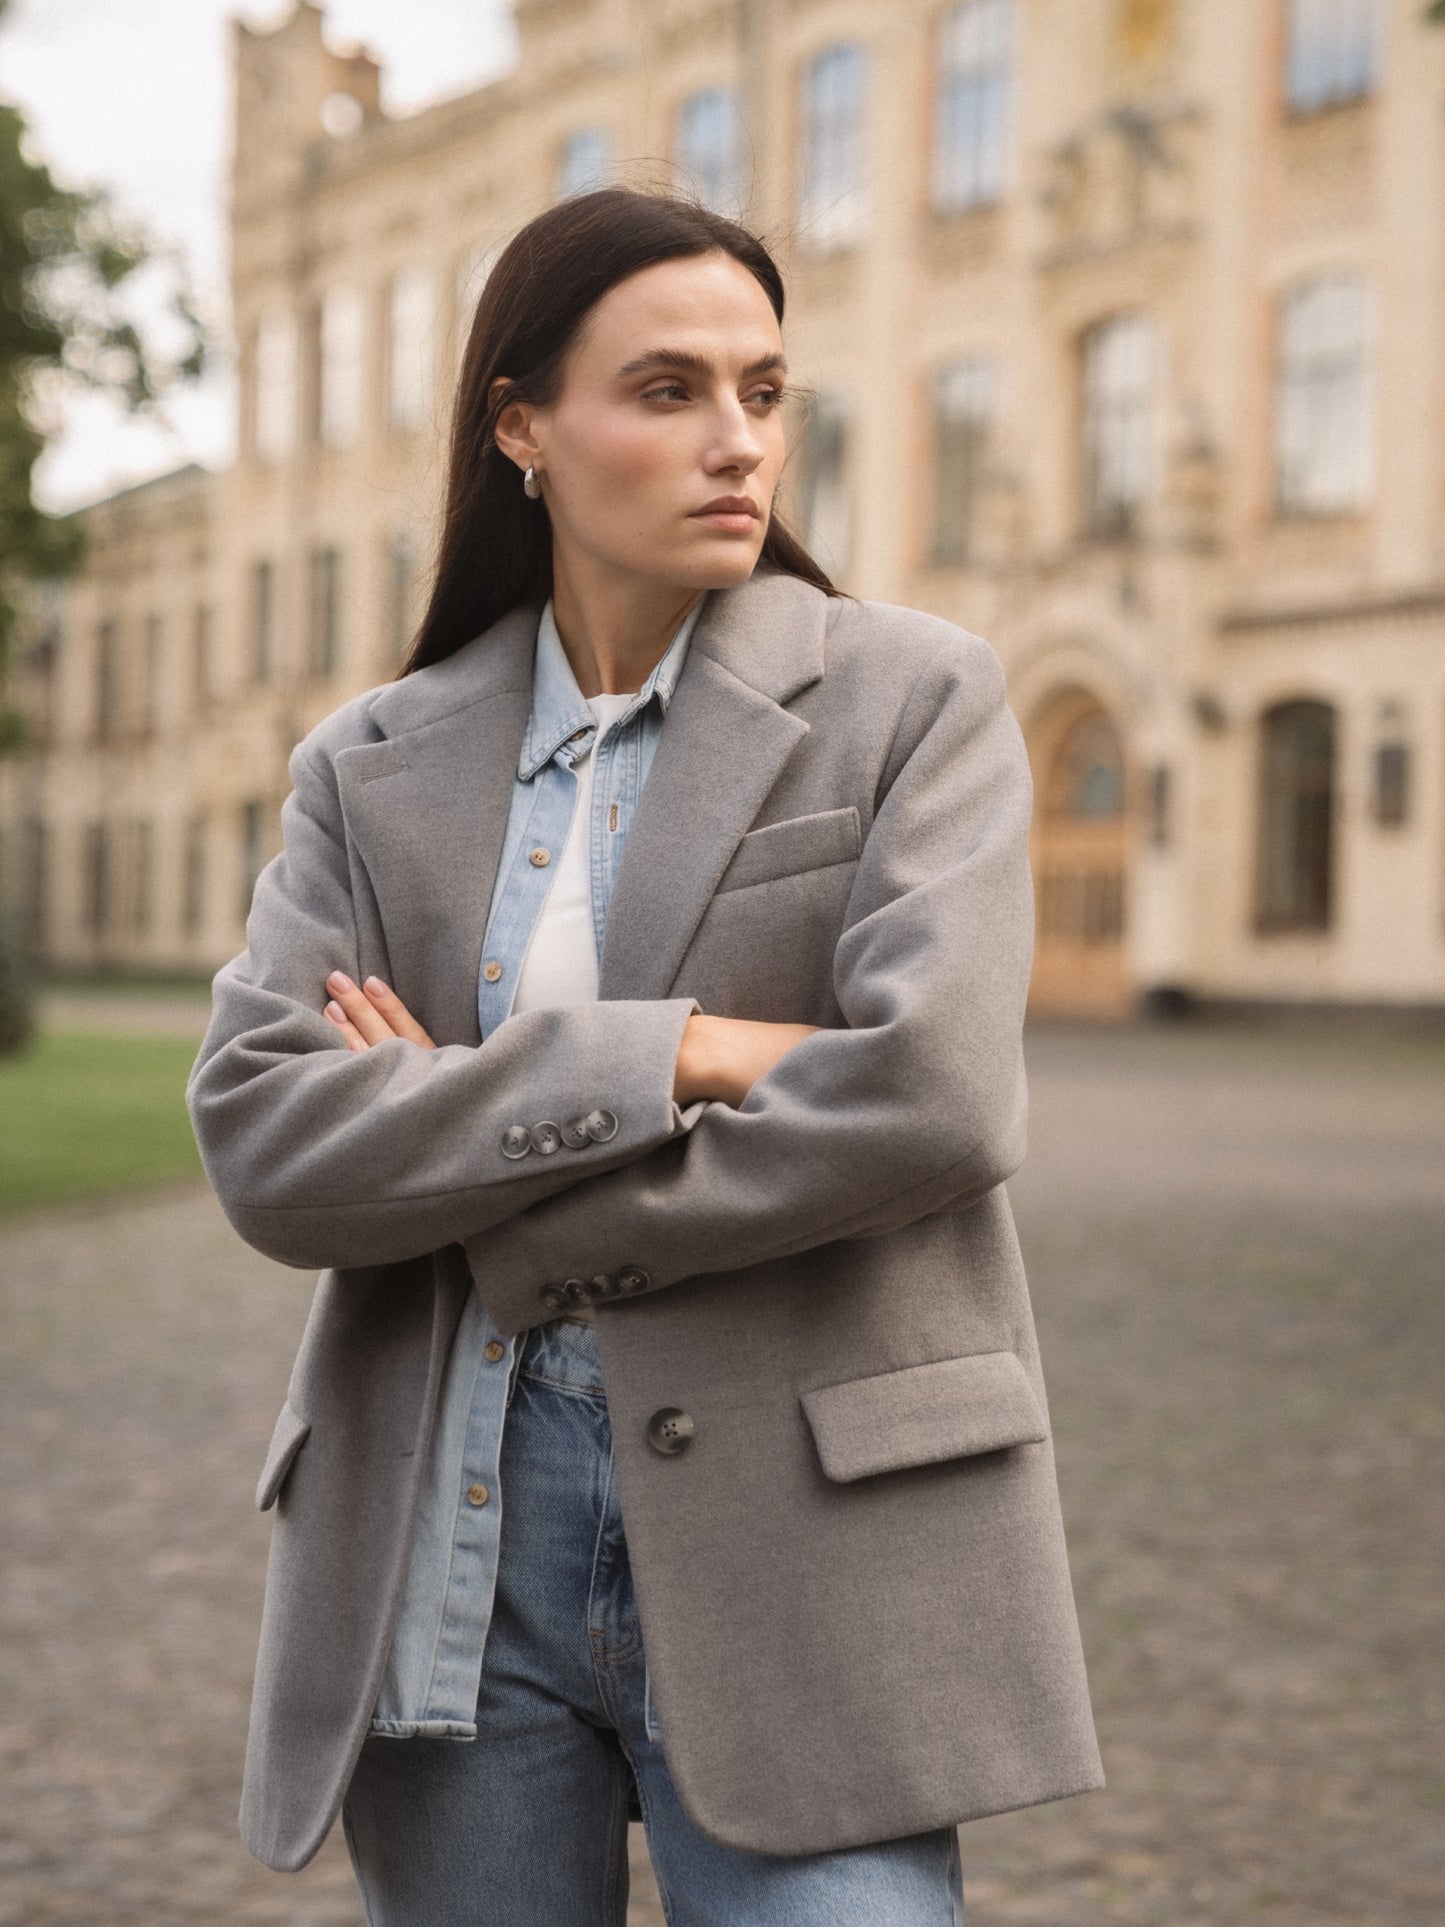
column 696, row 364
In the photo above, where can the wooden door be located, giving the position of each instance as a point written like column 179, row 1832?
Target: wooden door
column 1079, row 847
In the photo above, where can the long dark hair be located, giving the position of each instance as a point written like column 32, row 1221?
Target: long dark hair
column 495, row 548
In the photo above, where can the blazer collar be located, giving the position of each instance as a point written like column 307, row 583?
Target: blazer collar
column 767, row 632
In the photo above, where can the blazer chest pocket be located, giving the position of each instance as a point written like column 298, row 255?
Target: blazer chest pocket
column 286, row 1441
column 922, row 1414
column 797, row 844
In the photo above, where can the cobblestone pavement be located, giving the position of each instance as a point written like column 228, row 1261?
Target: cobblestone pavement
column 1235, row 1240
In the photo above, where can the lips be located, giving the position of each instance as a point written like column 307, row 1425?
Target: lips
column 729, row 505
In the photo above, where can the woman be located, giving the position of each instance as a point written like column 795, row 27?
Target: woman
column 631, row 1030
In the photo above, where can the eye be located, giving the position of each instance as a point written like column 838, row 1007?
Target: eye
column 772, row 397
column 667, row 388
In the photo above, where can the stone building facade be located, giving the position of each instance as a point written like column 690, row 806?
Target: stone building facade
column 1123, row 322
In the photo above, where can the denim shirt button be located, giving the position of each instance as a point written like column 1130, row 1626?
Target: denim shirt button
column 539, row 858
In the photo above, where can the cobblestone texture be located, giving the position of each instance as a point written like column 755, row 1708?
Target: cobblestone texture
column 1235, row 1240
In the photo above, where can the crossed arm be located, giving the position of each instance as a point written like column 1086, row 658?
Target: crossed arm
column 359, row 1142
column 718, row 1058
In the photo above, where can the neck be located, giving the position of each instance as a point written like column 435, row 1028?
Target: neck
column 614, row 628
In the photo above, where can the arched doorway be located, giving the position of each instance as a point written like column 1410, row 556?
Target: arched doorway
column 1079, row 848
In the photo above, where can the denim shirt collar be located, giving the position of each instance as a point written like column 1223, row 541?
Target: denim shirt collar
column 560, row 710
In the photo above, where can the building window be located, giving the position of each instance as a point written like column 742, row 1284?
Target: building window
column 831, row 195
column 252, row 853
column 585, row 162
column 274, row 432
column 400, row 574
column 343, row 335
column 1323, row 405
column 202, row 666
column 824, row 506
column 152, row 672
column 107, row 682
column 1392, row 785
column 142, row 881
column 1296, row 817
column 35, row 887
column 1333, row 48
column 325, row 600
column 963, row 406
column 412, row 335
column 263, row 621
column 96, row 879
column 709, row 146
column 1120, row 389
column 1161, row 805
column 193, row 876
column 971, row 105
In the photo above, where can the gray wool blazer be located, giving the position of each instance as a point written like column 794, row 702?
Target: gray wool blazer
column 853, row 1583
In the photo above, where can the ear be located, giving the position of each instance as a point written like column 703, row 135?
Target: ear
column 515, row 431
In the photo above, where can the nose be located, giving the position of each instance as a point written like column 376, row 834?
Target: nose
column 736, row 445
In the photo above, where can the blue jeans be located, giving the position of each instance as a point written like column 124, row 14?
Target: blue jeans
column 527, row 1825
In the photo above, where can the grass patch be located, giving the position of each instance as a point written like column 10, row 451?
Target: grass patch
column 88, row 1115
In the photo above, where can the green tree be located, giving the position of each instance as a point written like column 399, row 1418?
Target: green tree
column 67, row 260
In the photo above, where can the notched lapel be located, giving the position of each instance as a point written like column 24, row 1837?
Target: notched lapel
column 427, row 811
column 723, row 746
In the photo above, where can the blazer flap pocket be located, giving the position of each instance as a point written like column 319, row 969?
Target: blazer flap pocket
column 924, row 1413
column 286, row 1441
column 796, row 844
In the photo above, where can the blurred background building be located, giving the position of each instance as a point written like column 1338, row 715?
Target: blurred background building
column 1124, row 320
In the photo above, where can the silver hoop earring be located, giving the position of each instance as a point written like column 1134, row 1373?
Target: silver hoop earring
column 530, row 485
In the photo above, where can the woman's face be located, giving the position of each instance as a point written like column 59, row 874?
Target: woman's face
column 670, row 401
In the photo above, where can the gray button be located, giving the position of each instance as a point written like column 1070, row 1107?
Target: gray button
column 601, row 1125
column 577, row 1291
column 633, row 1278
column 670, row 1430
column 604, row 1285
column 553, row 1297
column 546, row 1138
column 575, row 1133
column 516, row 1141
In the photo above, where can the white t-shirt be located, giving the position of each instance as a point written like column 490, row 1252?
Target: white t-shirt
column 560, row 962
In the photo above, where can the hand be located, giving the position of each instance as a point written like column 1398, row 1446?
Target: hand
column 723, row 1057
column 372, row 1014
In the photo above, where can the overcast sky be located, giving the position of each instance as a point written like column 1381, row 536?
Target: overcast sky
column 134, row 95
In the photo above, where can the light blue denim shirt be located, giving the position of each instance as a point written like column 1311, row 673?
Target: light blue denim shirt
column 434, row 1669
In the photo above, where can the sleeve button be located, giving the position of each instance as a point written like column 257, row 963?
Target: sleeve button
column 545, row 1137
column 604, row 1285
column 575, row 1133
column 633, row 1278
column 553, row 1297
column 516, row 1141
column 601, row 1126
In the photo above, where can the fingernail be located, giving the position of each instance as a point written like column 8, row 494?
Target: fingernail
column 377, row 987
column 338, row 980
column 336, row 1013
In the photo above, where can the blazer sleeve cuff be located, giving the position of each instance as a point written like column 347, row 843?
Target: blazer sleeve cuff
column 634, row 1114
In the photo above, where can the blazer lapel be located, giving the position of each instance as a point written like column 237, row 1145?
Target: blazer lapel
column 722, row 748
column 427, row 810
